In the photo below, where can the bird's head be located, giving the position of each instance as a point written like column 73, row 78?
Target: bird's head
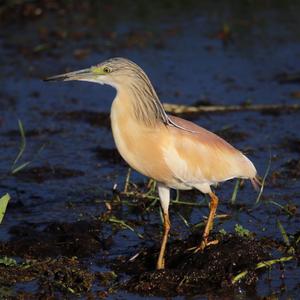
column 127, row 76
column 115, row 72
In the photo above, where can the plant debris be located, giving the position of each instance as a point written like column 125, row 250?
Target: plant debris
column 63, row 275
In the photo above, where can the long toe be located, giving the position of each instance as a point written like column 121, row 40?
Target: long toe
column 205, row 244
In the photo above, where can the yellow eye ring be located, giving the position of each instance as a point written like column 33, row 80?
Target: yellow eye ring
column 106, row 70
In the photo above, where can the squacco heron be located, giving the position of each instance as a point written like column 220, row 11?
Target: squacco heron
column 176, row 153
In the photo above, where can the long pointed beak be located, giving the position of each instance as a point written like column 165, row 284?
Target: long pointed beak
column 76, row 75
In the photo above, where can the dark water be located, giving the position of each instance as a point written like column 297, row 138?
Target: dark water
column 188, row 61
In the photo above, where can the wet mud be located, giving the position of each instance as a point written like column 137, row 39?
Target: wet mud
column 190, row 273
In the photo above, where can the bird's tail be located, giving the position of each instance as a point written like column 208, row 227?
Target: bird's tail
column 256, row 182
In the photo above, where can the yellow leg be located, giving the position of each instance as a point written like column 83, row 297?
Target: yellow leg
column 161, row 259
column 213, row 207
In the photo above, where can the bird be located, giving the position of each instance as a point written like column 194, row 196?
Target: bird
column 176, row 153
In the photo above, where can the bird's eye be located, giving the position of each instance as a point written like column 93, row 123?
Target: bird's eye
column 106, row 70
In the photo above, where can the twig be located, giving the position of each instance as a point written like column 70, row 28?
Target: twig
column 179, row 108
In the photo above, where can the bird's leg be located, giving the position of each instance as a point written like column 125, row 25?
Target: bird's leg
column 164, row 195
column 213, row 207
column 161, row 258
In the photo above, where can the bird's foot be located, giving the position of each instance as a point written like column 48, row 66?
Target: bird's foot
column 203, row 245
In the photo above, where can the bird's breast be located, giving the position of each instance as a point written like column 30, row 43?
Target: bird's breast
column 140, row 146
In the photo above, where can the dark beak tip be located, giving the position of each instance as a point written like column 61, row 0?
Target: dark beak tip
column 68, row 76
column 55, row 78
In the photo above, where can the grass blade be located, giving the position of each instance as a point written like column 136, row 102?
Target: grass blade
column 127, row 180
column 125, row 225
column 184, row 220
column 282, row 207
column 264, row 180
column 263, row 264
column 235, row 191
column 3, row 205
column 284, row 234
column 19, row 168
column 22, row 144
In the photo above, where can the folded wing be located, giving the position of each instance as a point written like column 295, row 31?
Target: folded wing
column 197, row 156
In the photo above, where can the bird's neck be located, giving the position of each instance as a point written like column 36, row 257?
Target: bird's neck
column 142, row 104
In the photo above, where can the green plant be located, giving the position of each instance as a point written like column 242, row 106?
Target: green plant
column 8, row 261
column 241, row 231
column 222, row 232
